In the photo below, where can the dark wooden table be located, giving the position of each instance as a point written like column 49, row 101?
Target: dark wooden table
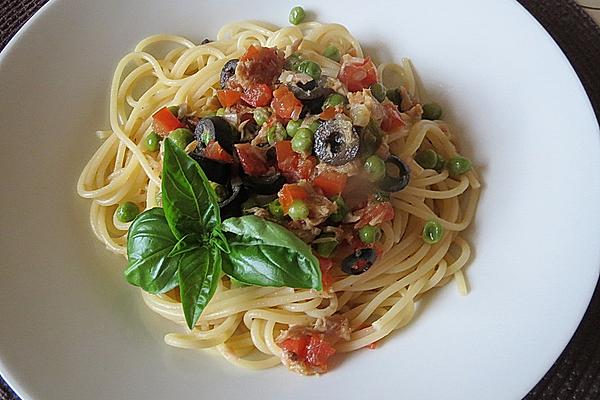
column 576, row 374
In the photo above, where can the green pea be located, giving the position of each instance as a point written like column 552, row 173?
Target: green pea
column 292, row 127
column 220, row 112
column 458, row 165
column 310, row 68
column 427, row 159
column 181, row 137
column 375, row 167
column 126, row 212
column 174, row 110
column 341, row 211
column 152, row 141
column 261, row 116
column 297, row 15
column 432, row 232
column 275, row 209
column 378, row 91
column 313, row 126
column 292, row 62
column 432, row 111
column 332, row 52
column 325, row 249
column 303, row 140
column 369, row 234
column 441, row 163
column 276, row 133
column 394, row 95
column 333, row 100
column 298, row 210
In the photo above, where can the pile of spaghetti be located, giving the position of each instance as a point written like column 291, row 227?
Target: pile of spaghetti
column 295, row 128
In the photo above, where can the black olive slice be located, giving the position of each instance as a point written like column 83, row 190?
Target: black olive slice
column 216, row 171
column 232, row 206
column 227, row 72
column 394, row 181
column 336, row 142
column 215, row 128
column 309, row 91
column 359, row 261
column 264, row 185
column 249, row 131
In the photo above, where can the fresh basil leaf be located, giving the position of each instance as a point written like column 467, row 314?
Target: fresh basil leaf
column 199, row 273
column 149, row 244
column 264, row 253
column 220, row 241
column 189, row 201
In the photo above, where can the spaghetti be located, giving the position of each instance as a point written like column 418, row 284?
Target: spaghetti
column 244, row 323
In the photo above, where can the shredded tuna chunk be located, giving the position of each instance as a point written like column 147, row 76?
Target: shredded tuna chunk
column 352, row 168
column 320, row 207
column 413, row 115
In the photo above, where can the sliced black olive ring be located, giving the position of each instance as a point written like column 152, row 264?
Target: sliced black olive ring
column 359, row 261
column 215, row 128
column 227, row 72
column 336, row 142
column 394, row 181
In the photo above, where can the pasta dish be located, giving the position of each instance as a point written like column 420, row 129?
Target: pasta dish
column 277, row 193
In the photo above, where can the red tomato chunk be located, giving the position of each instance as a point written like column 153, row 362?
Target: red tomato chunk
column 289, row 193
column 358, row 74
column 331, row 183
column 252, row 159
column 258, row 95
column 164, row 122
column 285, row 104
column 214, row 151
column 293, row 166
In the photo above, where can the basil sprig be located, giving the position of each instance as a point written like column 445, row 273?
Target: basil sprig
column 185, row 244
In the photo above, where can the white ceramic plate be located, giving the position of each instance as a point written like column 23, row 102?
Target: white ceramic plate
column 73, row 329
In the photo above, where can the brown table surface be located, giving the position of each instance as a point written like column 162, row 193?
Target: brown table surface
column 576, row 374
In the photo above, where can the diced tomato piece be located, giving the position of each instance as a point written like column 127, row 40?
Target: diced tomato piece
column 375, row 213
column 328, row 113
column 296, row 345
column 326, row 277
column 252, row 158
column 165, row 122
column 372, row 346
column 392, row 118
column 318, row 351
column 284, row 151
column 228, row 98
column 250, row 53
column 258, row 95
column 285, row 104
column 214, row 151
column 331, row 183
column 289, row 193
column 358, row 74
column 293, row 166
column 304, row 167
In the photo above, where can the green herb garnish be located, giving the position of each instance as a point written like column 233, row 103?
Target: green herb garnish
column 185, row 243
